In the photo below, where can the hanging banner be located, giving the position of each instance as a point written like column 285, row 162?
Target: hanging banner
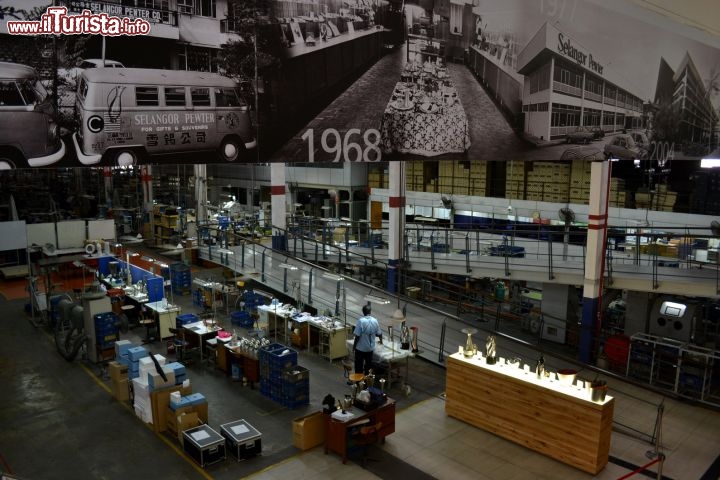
column 352, row 81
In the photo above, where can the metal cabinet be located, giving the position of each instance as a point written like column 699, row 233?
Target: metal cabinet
column 331, row 343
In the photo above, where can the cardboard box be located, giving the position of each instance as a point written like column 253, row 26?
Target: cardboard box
column 118, row 371
column 186, row 421
column 309, row 431
column 120, row 389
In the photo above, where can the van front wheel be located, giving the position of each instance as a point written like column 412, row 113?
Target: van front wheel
column 231, row 149
column 10, row 160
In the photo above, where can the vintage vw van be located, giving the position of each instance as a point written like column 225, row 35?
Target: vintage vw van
column 131, row 115
column 29, row 136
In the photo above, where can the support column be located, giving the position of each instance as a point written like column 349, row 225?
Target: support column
column 277, row 205
column 396, row 222
column 594, row 259
column 107, row 176
column 201, row 197
column 146, row 181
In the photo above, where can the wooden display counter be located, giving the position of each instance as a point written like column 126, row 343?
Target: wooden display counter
column 560, row 422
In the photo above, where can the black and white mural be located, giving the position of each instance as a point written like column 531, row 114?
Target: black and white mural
column 327, row 81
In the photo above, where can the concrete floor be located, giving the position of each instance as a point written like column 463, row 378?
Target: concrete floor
column 59, row 420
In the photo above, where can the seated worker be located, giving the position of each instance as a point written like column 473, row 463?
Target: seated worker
column 366, row 329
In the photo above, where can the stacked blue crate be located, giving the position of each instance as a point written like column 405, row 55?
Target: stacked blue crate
column 106, row 330
column 274, row 359
column 134, row 355
column 180, row 372
column 180, row 279
column 295, row 387
column 121, row 351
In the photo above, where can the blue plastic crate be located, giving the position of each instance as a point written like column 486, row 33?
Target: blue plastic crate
column 296, row 374
column 292, row 404
column 295, row 390
column 263, row 352
column 185, row 319
column 281, row 360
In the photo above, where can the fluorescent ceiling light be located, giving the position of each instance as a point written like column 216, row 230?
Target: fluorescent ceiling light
column 332, row 276
column 710, row 162
column 377, row 299
column 287, row 266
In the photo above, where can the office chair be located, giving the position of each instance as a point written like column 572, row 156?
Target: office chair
column 362, row 439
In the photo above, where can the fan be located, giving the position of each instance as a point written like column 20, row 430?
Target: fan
column 446, row 201
column 715, row 228
column 566, row 215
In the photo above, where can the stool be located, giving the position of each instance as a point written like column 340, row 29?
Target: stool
column 356, row 377
column 148, row 323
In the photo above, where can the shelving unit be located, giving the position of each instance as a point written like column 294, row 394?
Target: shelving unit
column 699, row 376
column 180, row 279
column 688, row 370
column 448, row 176
column 331, row 343
column 166, row 221
column 654, row 360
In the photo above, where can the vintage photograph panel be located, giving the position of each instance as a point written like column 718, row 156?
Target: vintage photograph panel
column 329, row 81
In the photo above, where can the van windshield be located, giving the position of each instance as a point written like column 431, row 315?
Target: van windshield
column 228, row 97
column 21, row 92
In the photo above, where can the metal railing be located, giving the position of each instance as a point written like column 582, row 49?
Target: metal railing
column 522, row 251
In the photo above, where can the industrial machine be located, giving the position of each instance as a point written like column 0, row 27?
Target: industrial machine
column 674, row 318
